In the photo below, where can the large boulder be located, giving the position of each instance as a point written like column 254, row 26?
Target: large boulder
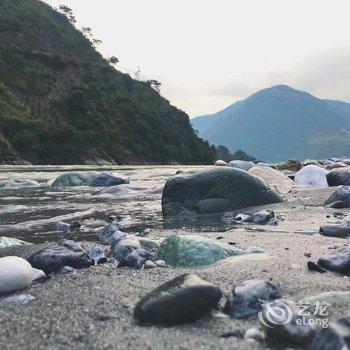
column 17, row 183
column 215, row 190
column 58, row 255
column 77, row 178
column 244, row 300
column 16, row 274
column 340, row 198
column 107, row 180
column 334, row 337
column 181, row 300
column 337, row 261
column 312, row 175
column 291, row 165
column 194, row 251
column 241, row 164
column 339, row 177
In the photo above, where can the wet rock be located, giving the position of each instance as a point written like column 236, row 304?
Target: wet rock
column 137, row 258
column 291, row 165
column 107, row 180
column 193, row 251
column 219, row 189
column 149, row 264
column 334, row 337
column 337, row 261
column 339, row 177
column 78, row 178
column 63, row 253
column 17, row 183
column 314, row 267
column 262, row 216
column 340, row 198
column 284, row 324
column 98, row 255
column 335, row 230
column 160, row 263
column 120, row 250
column 11, row 242
column 110, row 234
column 254, row 334
column 312, row 175
column 181, row 300
column 244, row 300
column 16, row 274
column 22, row 299
column 220, row 162
column 241, row 164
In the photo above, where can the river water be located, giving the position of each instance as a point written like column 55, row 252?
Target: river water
column 32, row 213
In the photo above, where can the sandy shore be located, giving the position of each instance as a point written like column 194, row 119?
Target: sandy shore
column 94, row 309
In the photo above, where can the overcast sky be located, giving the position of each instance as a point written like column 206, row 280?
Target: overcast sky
column 210, row 53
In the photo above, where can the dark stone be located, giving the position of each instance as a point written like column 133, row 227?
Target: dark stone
column 181, row 300
column 291, row 165
column 122, row 249
column 334, row 337
column 314, row 267
column 335, row 230
column 235, row 334
column 63, row 253
column 262, row 216
column 136, row 258
column 107, row 180
column 340, row 198
column 244, row 300
column 337, row 261
column 75, row 226
column 284, row 324
column 340, row 176
column 215, row 190
column 110, row 234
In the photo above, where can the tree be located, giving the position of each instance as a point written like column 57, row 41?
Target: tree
column 113, row 60
column 154, row 84
column 87, row 32
column 67, row 11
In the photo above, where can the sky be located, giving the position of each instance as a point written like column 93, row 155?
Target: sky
column 209, row 54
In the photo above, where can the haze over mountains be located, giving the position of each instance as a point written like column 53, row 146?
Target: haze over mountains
column 280, row 123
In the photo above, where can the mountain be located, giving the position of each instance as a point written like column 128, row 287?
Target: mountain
column 280, row 123
column 61, row 102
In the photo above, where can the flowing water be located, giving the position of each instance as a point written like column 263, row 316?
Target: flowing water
column 32, row 213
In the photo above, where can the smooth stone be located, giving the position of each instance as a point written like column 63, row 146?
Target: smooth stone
column 312, row 175
column 149, row 264
column 254, row 334
column 17, row 183
column 16, row 274
column 6, row 242
column 63, row 253
column 334, row 337
column 338, row 177
column 136, row 259
column 338, row 165
column 215, row 190
column 244, row 300
column 220, row 162
column 193, row 251
column 332, row 298
column 160, row 263
column 241, row 217
column 110, row 234
column 107, row 180
column 337, row 261
column 241, row 164
column 120, row 250
column 314, row 267
column 311, row 162
column 341, row 196
column 291, row 165
column 77, row 178
column 21, row 299
column 262, row 216
column 283, row 323
column 98, row 255
column 181, row 300
column 275, row 179
column 335, row 230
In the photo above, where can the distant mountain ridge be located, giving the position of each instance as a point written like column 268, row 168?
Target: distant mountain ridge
column 280, row 123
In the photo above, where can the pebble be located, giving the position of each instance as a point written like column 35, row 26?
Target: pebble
column 149, row 264
column 160, row 263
